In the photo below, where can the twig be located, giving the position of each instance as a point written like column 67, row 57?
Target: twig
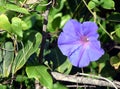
column 46, row 4
column 105, row 31
column 15, row 44
column 11, row 82
column 95, row 16
column 37, row 85
column 117, row 47
column 84, row 80
column 44, row 34
column 99, row 77
column 93, row 13
column 80, row 86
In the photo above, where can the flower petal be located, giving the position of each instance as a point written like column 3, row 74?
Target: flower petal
column 68, row 40
column 95, row 51
column 68, row 49
column 73, row 28
column 89, row 28
column 67, row 44
column 93, row 38
column 80, row 58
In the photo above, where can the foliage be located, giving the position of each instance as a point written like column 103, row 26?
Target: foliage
column 21, row 37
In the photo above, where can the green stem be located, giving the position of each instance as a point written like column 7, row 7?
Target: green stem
column 105, row 30
column 94, row 15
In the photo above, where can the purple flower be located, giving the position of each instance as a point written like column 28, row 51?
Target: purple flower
column 79, row 43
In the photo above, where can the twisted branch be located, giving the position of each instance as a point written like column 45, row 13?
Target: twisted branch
column 86, row 80
column 44, row 34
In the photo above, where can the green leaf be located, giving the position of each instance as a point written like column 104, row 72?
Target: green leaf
column 4, row 23
column 30, row 20
column 2, row 10
column 115, row 62
column 94, row 64
column 118, row 55
column 40, row 73
column 21, row 78
column 91, row 5
column 16, row 8
column 117, row 31
column 56, row 20
column 65, row 18
column 8, row 58
column 101, row 66
column 58, row 7
column 23, row 55
column 3, row 87
column 17, row 26
column 24, row 25
column 65, row 69
column 107, row 4
column 2, row 2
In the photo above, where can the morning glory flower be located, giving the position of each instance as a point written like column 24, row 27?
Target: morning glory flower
column 79, row 42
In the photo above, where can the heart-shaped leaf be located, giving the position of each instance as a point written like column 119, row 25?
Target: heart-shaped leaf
column 40, row 73
column 4, row 23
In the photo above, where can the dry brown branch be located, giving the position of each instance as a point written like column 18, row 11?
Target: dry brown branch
column 84, row 80
column 44, row 34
